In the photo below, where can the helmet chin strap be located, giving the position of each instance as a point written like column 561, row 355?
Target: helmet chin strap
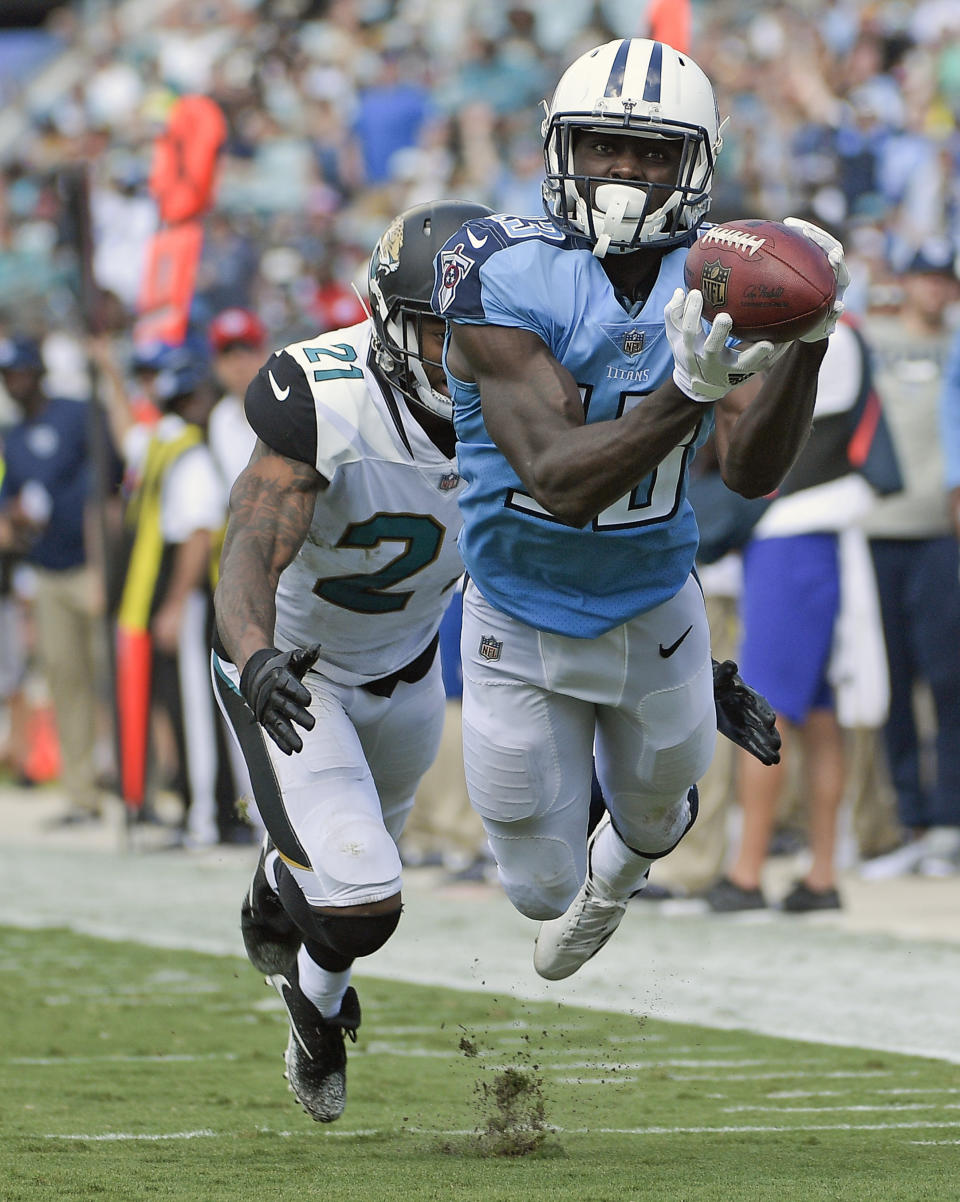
column 428, row 396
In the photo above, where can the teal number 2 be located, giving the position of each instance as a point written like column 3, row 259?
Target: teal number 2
column 423, row 536
column 343, row 352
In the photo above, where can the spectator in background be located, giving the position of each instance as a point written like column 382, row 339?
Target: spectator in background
column 237, row 340
column 228, row 264
column 914, row 546
column 950, row 431
column 43, row 510
column 334, row 304
column 174, row 520
column 391, row 113
column 802, row 567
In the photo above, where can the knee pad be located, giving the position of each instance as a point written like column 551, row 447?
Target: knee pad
column 538, row 873
column 339, row 940
column 334, row 941
column 693, row 803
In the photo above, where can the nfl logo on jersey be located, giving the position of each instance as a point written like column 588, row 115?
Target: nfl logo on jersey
column 490, row 647
column 633, row 342
column 448, row 481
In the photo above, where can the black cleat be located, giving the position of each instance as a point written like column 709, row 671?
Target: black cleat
column 269, row 935
column 316, row 1058
column 726, row 897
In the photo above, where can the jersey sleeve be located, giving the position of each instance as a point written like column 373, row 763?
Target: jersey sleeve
column 502, row 271
column 280, row 408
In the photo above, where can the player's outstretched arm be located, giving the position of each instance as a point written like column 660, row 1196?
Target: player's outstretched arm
column 758, row 443
column 271, row 507
column 533, row 410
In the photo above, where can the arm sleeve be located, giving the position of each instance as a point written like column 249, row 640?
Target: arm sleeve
column 950, row 416
column 280, row 409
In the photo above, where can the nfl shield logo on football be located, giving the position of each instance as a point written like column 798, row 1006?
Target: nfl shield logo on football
column 633, row 342
column 490, row 647
column 713, row 284
column 448, row 481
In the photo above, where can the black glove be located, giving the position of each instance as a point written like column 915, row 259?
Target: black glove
column 745, row 716
column 271, row 684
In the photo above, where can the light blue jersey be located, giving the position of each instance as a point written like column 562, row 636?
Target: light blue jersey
column 637, row 553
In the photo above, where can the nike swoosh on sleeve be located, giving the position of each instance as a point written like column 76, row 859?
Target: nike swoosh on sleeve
column 280, row 393
column 476, row 242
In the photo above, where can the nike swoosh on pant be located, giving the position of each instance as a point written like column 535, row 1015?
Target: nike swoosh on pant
column 666, row 652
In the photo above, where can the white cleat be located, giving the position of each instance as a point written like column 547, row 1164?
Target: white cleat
column 565, row 943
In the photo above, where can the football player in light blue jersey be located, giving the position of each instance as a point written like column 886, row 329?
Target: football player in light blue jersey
column 583, row 381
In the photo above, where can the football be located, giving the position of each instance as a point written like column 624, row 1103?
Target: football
column 775, row 283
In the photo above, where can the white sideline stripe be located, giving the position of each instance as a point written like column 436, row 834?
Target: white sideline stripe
column 935, row 1143
column 920, row 1124
column 633, row 1072
column 42, row 1061
column 206, row 1133
column 885, row 1106
column 838, row 1093
column 114, row 1136
column 858, row 1073
column 640, row 1065
column 612, row 1078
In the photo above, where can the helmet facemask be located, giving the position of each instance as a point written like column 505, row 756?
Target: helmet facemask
column 640, row 89
column 400, row 356
column 626, row 215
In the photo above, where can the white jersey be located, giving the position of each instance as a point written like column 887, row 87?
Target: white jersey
column 380, row 562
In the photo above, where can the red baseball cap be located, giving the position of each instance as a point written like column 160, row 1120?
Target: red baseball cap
column 236, row 326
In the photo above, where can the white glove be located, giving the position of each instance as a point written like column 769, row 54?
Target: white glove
column 834, row 252
column 705, row 368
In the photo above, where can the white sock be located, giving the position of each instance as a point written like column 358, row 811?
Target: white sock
column 618, row 870
column 325, row 989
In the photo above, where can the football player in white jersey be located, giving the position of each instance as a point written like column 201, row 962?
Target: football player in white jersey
column 583, row 382
column 339, row 561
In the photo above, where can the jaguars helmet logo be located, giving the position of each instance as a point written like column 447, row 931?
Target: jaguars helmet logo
column 389, row 247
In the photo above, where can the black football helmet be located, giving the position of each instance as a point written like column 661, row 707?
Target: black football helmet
column 400, row 283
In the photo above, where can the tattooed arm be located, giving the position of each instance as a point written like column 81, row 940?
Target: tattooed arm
column 271, row 507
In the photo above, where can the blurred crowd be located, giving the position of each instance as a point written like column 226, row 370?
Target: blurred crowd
column 340, row 113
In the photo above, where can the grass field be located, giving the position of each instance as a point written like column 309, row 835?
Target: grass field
column 136, row 1073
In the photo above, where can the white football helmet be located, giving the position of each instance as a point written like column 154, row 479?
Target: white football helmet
column 640, row 87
